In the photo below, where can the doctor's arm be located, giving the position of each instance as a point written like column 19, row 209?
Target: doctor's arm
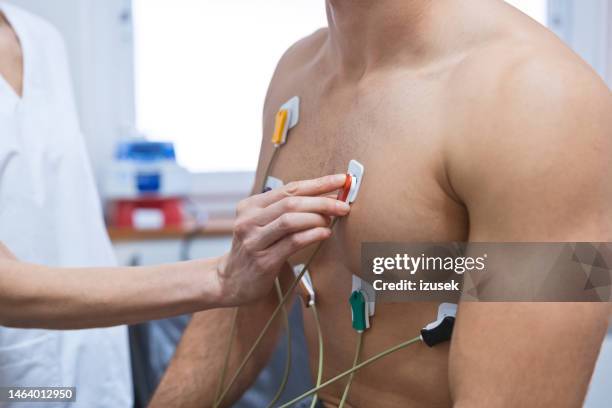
column 269, row 228
column 541, row 177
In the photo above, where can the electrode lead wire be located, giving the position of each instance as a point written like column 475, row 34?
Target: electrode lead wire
column 350, row 379
column 352, row 370
column 232, row 334
column 287, row 370
column 315, row 314
column 275, row 313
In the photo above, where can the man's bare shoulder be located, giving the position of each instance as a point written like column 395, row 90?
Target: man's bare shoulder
column 294, row 62
column 529, row 77
column 532, row 136
column 520, row 102
column 303, row 51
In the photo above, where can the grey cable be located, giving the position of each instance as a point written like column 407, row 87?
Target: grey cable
column 352, row 370
column 315, row 314
column 273, row 316
column 350, row 379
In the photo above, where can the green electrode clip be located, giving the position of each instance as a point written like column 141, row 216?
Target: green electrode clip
column 359, row 313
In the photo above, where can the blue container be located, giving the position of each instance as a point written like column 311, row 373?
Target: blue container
column 144, row 151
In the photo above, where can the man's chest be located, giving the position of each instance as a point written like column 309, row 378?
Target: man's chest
column 399, row 142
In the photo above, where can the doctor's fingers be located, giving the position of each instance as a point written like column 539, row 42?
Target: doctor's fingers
column 314, row 187
column 285, row 225
column 319, row 205
column 283, row 249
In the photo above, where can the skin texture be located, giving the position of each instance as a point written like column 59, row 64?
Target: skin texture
column 268, row 228
column 470, row 129
column 11, row 63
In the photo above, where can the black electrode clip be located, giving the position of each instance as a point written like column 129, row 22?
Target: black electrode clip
column 440, row 330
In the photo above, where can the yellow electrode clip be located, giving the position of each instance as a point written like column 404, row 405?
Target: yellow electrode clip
column 286, row 118
column 280, row 126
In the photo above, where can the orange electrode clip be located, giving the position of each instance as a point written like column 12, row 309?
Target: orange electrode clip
column 280, row 127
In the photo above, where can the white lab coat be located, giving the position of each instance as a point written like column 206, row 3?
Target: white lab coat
column 50, row 214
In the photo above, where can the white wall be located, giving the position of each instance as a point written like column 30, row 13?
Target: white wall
column 98, row 35
column 609, row 45
column 586, row 25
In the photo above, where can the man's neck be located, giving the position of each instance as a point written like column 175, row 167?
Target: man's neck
column 366, row 34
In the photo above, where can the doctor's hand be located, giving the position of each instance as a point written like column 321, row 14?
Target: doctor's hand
column 272, row 226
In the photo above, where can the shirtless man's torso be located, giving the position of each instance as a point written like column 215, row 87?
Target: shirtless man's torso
column 464, row 116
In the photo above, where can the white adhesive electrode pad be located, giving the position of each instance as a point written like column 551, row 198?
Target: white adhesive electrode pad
column 305, row 281
column 273, row 183
column 286, row 118
column 359, row 284
column 293, row 107
column 356, row 170
column 444, row 310
column 447, row 309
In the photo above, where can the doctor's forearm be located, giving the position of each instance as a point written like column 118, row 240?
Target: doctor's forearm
column 268, row 229
column 62, row 298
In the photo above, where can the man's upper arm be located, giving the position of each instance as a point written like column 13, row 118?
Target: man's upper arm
column 537, row 169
